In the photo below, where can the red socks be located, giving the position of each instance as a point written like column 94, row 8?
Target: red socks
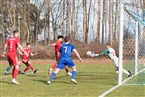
column 54, row 66
column 26, row 69
column 30, row 66
column 15, row 72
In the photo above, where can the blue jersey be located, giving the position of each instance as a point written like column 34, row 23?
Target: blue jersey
column 66, row 50
column 65, row 58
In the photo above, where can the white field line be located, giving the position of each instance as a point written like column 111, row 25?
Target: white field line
column 109, row 91
column 7, row 76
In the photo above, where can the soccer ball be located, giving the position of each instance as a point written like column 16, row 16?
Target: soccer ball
column 89, row 53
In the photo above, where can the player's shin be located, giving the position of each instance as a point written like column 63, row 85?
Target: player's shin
column 52, row 76
column 73, row 74
column 54, row 66
column 26, row 69
column 15, row 72
column 19, row 69
column 32, row 68
column 7, row 69
column 126, row 72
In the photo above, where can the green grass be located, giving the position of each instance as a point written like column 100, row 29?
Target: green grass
column 93, row 79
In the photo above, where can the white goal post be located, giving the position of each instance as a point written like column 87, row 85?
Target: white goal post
column 121, row 45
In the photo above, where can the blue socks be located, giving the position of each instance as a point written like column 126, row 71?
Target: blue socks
column 19, row 69
column 8, row 68
column 73, row 74
column 52, row 76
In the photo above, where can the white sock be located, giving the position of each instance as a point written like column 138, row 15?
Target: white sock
column 126, row 72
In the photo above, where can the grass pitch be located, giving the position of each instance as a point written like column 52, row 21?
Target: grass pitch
column 93, row 76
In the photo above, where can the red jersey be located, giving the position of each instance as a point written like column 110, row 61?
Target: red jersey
column 12, row 44
column 28, row 51
column 57, row 46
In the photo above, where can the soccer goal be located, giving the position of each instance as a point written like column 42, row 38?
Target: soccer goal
column 131, row 48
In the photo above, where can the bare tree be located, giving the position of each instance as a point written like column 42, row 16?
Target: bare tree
column 14, row 14
column 104, row 21
column 88, row 22
column 144, row 15
column 115, row 25
column 2, row 20
column 85, row 35
column 29, row 22
column 98, row 23
column 48, row 19
column 68, row 18
column 110, row 20
column 25, row 21
column 63, row 17
column 73, row 19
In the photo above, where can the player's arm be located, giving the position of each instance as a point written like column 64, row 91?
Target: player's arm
column 20, row 52
column 77, row 54
column 53, row 44
column 106, row 51
column 5, row 47
column 21, row 48
column 33, row 54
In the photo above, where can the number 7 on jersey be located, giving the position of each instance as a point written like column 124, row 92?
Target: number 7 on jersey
column 65, row 49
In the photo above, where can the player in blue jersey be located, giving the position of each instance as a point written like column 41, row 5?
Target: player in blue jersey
column 65, row 59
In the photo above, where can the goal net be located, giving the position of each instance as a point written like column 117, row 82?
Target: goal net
column 133, row 55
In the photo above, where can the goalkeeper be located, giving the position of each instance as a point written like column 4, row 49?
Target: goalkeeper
column 112, row 55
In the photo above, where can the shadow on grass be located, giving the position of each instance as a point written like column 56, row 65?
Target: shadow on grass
column 35, row 75
column 7, row 82
column 81, row 77
column 65, row 82
column 41, row 81
column 45, row 81
column 6, row 74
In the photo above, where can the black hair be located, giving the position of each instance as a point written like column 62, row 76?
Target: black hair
column 28, row 44
column 67, row 39
column 15, row 31
column 60, row 36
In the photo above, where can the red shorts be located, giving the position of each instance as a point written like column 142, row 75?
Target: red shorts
column 13, row 60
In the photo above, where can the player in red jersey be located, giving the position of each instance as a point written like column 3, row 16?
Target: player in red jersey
column 25, row 59
column 57, row 45
column 12, row 45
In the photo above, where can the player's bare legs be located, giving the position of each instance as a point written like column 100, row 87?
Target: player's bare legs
column 67, row 71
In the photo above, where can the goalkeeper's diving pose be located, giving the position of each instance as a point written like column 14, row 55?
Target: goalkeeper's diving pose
column 112, row 55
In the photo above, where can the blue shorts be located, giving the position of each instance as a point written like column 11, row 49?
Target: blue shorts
column 63, row 62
